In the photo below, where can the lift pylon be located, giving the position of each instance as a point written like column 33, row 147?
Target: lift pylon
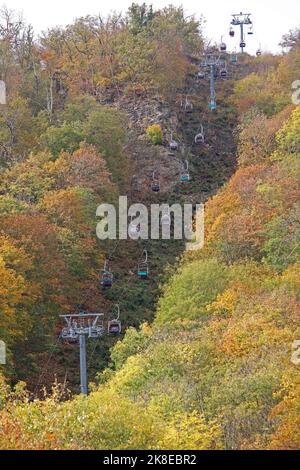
column 242, row 20
column 213, row 63
column 78, row 328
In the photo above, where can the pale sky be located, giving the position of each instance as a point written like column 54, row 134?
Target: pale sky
column 271, row 19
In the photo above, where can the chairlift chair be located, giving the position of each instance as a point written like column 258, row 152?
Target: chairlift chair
column 107, row 276
column 95, row 332
column 234, row 59
column 213, row 104
column 143, row 268
column 115, row 325
column 199, row 138
column 155, row 184
column 69, row 335
column 223, row 73
column 107, row 279
column 201, row 75
column 231, row 33
column 185, row 175
column 173, row 144
column 243, row 44
column 65, row 333
column 188, row 106
column 223, row 47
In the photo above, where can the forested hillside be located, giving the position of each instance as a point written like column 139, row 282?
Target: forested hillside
column 205, row 360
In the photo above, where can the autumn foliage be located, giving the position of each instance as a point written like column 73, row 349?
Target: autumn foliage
column 213, row 370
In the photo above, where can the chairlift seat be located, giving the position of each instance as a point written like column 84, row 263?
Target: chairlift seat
column 95, row 332
column 143, row 270
column 65, row 334
column 70, row 335
column 114, row 327
column 184, row 177
column 143, row 274
column 199, row 139
column 107, row 279
column 188, row 108
column 173, row 145
column 155, row 186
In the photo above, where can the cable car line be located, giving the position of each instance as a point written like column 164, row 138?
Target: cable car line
column 214, row 66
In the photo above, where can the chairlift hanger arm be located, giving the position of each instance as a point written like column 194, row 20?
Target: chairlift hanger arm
column 145, row 254
column 117, row 311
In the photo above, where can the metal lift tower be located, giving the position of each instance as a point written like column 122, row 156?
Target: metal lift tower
column 242, row 20
column 213, row 63
column 78, row 328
